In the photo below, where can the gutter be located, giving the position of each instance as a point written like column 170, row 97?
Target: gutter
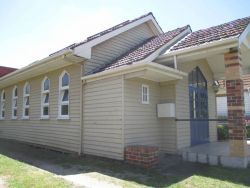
column 200, row 47
column 36, row 64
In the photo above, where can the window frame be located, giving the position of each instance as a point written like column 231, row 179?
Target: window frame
column 62, row 89
column 24, row 100
column 142, row 94
column 43, row 95
column 2, row 104
column 14, row 99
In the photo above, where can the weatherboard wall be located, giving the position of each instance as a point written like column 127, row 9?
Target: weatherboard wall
column 106, row 52
column 52, row 132
column 141, row 125
column 103, row 118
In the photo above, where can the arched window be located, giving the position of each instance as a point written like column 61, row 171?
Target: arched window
column 45, row 98
column 26, row 100
column 14, row 102
column 2, row 105
column 64, row 81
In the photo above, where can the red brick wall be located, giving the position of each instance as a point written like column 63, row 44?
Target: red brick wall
column 236, row 111
column 146, row 156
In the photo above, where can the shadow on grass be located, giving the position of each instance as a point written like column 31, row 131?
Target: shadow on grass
column 164, row 175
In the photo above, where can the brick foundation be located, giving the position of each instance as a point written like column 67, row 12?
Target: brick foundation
column 145, row 156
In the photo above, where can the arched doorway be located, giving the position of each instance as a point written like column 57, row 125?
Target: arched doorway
column 198, row 103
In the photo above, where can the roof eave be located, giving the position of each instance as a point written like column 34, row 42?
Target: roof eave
column 141, row 67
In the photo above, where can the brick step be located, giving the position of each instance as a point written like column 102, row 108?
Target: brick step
column 214, row 160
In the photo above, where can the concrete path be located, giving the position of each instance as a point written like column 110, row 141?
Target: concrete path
column 3, row 183
column 215, row 153
column 85, row 180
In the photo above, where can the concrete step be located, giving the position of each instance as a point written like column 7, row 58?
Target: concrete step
column 214, row 160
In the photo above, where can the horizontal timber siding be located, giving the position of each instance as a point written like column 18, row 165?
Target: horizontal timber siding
column 61, row 134
column 102, row 118
column 169, row 137
column 109, row 50
column 141, row 123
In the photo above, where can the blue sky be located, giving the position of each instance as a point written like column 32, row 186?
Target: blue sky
column 31, row 30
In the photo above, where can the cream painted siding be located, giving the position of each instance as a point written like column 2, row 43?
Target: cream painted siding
column 182, row 112
column 212, row 114
column 102, row 118
column 60, row 134
column 141, row 123
column 111, row 49
column 169, row 133
column 182, row 103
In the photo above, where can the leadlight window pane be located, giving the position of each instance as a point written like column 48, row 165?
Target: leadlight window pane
column 15, row 112
column 65, row 95
column 27, row 101
column 45, row 110
column 3, row 95
column 27, row 89
column 26, row 112
column 15, row 92
column 65, row 80
column 46, row 84
column 46, row 99
column 65, row 109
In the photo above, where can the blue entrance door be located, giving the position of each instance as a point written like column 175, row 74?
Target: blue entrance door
column 198, row 101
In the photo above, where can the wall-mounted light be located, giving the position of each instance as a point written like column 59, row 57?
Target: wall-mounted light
column 216, row 86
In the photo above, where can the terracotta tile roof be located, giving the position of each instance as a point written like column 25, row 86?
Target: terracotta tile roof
column 223, row 31
column 72, row 46
column 143, row 50
column 6, row 70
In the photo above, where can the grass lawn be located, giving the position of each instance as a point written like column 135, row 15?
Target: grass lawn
column 18, row 174
column 111, row 172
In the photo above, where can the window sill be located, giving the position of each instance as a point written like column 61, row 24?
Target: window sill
column 25, row 118
column 2, row 119
column 44, row 118
column 14, row 118
column 145, row 102
column 63, row 118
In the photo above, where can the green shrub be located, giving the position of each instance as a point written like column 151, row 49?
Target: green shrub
column 222, row 131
